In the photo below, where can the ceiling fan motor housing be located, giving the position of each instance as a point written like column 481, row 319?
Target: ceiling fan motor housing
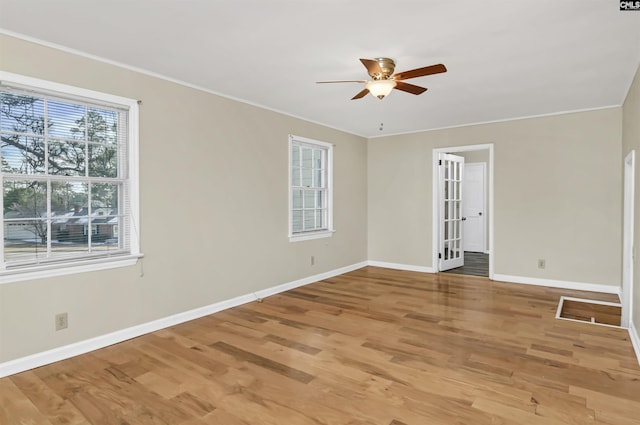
column 387, row 66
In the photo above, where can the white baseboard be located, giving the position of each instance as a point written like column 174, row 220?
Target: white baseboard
column 397, row 266
column 40, row 359
column 635, row 339
column 307, row 280
column 578, row 286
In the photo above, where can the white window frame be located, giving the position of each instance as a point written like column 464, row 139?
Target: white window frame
column 79, row 265
column 328, row 148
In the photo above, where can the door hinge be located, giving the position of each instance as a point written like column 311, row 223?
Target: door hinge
column 440, row 256
column 439, row 162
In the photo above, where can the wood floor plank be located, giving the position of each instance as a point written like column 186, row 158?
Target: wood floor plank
column 513, row 414
column 608, row 408
column 16, row 408
column 57, row 410
column 371, row 347
column 266, row 363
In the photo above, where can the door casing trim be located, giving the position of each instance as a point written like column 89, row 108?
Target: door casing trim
column 626, row 288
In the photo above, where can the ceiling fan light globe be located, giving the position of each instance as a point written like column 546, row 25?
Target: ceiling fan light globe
column 380, row 88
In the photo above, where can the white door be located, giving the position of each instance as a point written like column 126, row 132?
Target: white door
column 451, row 172
column 473, row 193
column 626, row 294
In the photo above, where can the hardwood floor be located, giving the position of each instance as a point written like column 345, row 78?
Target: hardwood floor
column 370, row 347
column 475, row 264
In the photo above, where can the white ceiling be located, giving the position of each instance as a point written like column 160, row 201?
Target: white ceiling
column 506, row 59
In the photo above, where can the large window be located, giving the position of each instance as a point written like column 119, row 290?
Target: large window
column 310, row 188
column 69, row 179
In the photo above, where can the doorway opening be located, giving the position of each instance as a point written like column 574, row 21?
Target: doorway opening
column 463, row 209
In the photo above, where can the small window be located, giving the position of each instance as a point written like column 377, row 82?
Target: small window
column 69, row 179
column 310, row 189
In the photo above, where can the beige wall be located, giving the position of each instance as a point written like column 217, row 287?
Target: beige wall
column 557, row 195
column 631, row 141
column 213, row 179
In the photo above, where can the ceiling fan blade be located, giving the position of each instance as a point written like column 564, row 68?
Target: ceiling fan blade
column 341, row 81
column 360, row 95
column 409, row 88
column 373, row 67
column 420, row 72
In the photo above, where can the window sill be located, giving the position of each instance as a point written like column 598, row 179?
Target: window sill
column 52, row 270
column 311, row 235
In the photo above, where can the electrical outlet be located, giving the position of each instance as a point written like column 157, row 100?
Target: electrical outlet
column 313, row 260
column 541, row 263
column 62, row 321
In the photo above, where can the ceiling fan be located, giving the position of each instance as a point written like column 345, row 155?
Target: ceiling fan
column 384, row 80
